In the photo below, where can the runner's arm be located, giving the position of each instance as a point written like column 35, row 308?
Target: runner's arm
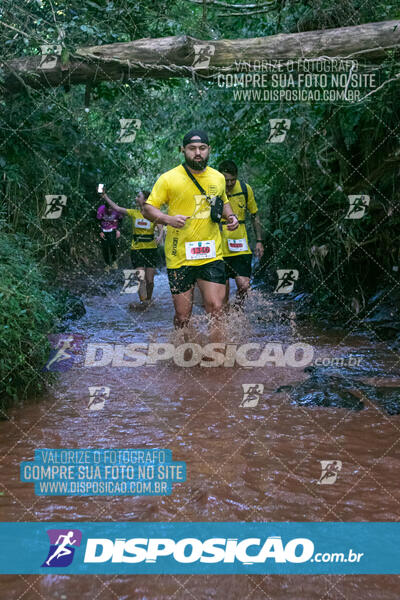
column 259, row 234
column 157, row 216
column 230, row 216
column 113, row 205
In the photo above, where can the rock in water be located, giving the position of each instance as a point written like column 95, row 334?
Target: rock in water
column 342, row 389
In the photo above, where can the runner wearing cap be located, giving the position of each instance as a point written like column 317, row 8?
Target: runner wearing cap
column 194, row 194
column 235, row 246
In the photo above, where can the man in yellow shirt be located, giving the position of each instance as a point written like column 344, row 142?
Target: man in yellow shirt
column 235, row 246
column 144, row 244
column 194, row 193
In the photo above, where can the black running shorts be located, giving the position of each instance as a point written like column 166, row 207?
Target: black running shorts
column 148, row 257
column 238, row 266
column 184, row 278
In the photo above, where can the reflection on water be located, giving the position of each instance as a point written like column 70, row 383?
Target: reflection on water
column 244, row 463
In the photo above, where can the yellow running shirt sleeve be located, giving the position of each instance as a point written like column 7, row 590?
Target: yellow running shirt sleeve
column 251, row 202
column 199, row 241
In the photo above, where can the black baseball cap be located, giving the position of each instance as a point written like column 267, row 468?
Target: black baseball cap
column 195, row 136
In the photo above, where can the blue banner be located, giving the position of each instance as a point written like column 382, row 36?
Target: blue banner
column 200, row 548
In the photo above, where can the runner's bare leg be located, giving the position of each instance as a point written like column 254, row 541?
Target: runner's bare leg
column 183, row 304
column 149, row 277
column 243, row 286
column 213, row 298
column 142, row 285
column 227, row 292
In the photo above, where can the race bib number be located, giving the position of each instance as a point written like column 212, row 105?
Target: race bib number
column 200, row 250
column 142, row 224
column 237, row 245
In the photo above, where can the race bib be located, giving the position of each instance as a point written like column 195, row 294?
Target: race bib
column 237, row 245
column 142, row 224
column 200, row 250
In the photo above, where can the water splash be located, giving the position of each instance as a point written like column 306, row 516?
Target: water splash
column 233, row 325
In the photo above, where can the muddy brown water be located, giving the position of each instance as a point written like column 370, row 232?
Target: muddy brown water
column 259, row 463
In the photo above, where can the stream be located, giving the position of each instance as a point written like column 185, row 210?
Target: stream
column 249, row 458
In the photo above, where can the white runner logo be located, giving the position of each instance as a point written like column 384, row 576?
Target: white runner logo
column 286, row 280
column 54, row 206
column 279, row 129
column 97, row 397
column 202, row 55
column 251, row 394
column 129, row 128
column 357, row 206
column 50, row 54
column 329, row 471
column 133, row 277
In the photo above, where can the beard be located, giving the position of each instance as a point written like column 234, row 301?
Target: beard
column 198, row 165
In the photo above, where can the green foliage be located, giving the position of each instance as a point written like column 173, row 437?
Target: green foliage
column 52, row 145
column 27, row 314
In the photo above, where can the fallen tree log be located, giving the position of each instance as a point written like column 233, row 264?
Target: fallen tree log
column 162, row 58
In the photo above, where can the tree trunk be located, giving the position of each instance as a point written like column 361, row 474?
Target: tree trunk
column 174, row 56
